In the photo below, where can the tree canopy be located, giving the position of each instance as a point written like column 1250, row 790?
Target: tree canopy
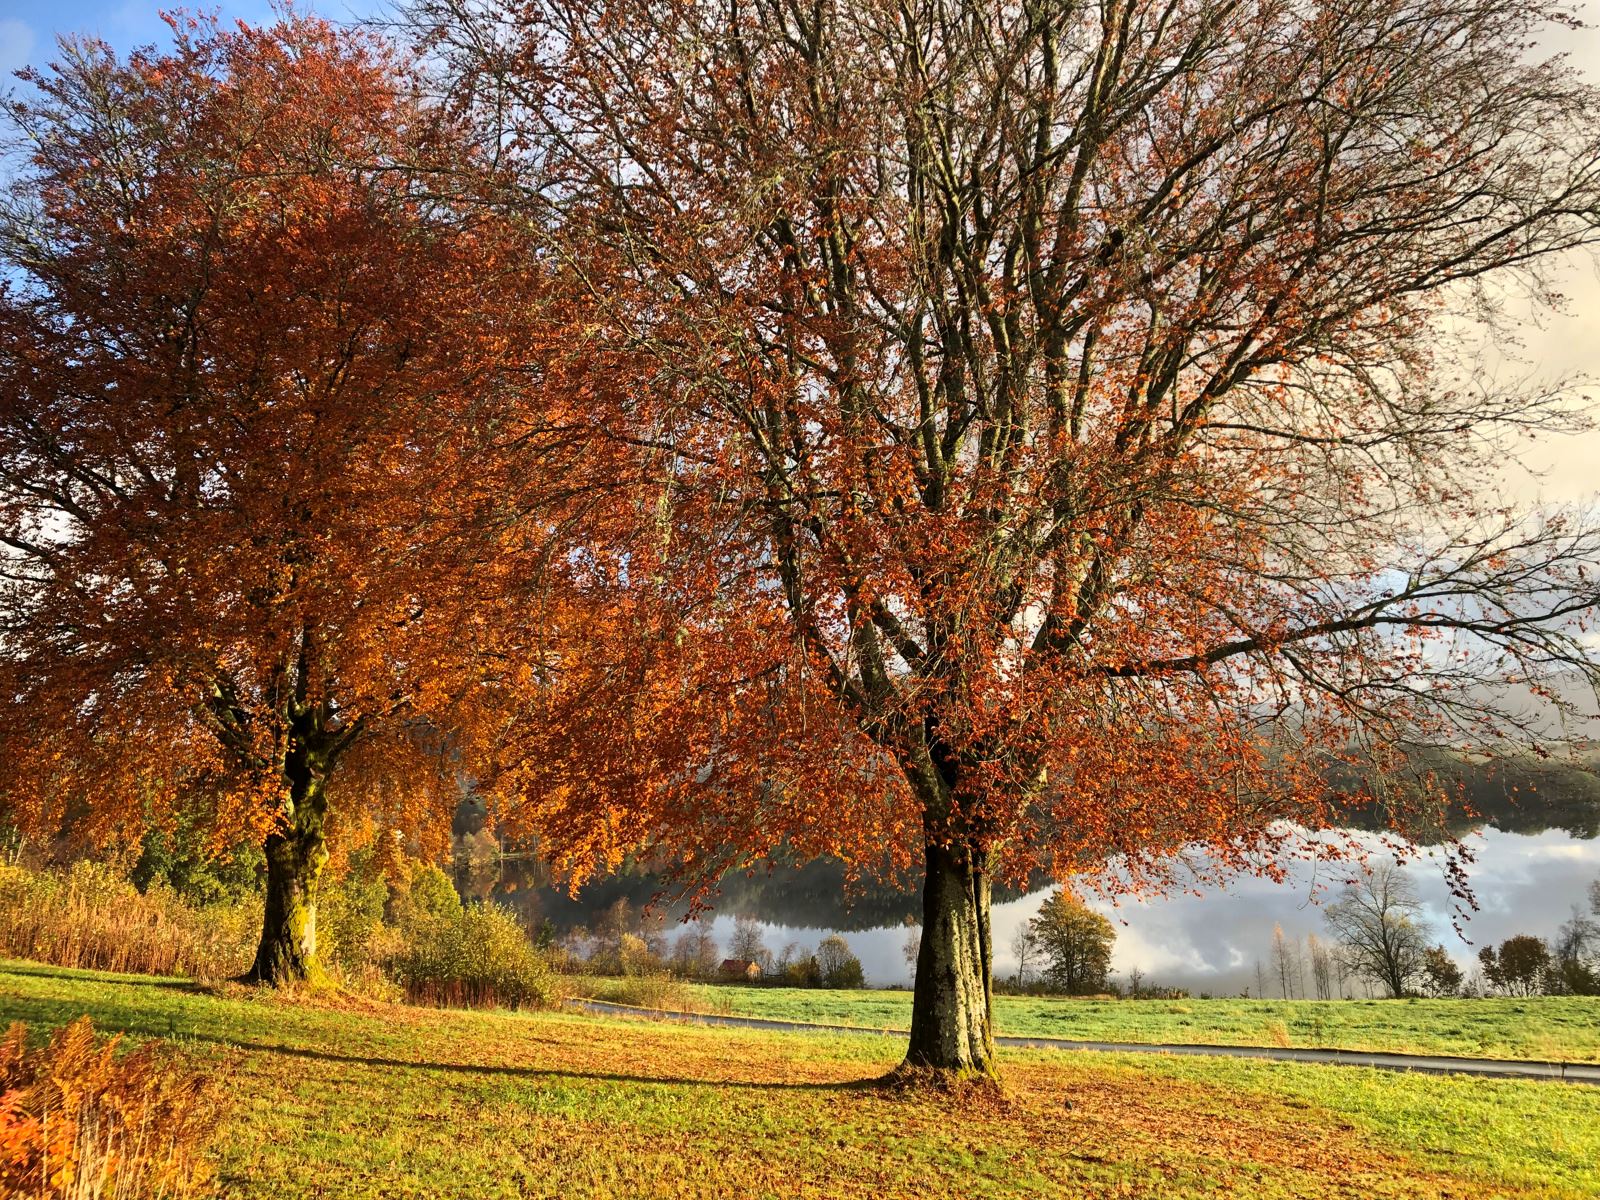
column 1050, row 447
column 240, row 352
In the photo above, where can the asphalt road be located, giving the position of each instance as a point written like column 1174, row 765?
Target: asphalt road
column 1434, row 1064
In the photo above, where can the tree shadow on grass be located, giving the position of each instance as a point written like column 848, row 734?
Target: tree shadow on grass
column 93, row 975
column 520, row 1072
column 140, row 1025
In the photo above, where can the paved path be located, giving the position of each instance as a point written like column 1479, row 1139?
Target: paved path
column 1499, row 1068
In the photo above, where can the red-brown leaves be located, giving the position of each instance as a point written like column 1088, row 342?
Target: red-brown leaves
column 1032, row 430
column 243, row 358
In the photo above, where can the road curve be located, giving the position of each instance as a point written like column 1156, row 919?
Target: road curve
column 1433, row 1064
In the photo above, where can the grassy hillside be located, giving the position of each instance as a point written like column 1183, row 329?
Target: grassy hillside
column 367, row 1101
column 1561, row 1028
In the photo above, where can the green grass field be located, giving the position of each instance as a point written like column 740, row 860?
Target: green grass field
column 1560, row 1028
column 358, row 1100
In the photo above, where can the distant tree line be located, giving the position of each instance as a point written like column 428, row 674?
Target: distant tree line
column 625, row 939
column 1382, row 944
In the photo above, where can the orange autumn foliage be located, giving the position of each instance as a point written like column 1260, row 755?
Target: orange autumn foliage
column 81, row 1117
column 246, row 346
column 963, row 506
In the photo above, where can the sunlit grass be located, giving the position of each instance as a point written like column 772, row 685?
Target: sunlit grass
column 1562, row 1028
column 365, row 1100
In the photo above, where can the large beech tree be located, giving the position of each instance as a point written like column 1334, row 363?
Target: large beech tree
column 1051, row 448
column 239, row 347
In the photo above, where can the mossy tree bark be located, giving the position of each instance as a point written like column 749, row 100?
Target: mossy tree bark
column 952, row 1007
column 288, row 949
column 295, row 854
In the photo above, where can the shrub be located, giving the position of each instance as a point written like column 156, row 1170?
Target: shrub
column 431, row 894
column 479, row 957
column 804, row 971
column 91, row 917
column 77, row 1119
column 847, row 974
column 839, row 966
column 349, row 920
column 183, row 858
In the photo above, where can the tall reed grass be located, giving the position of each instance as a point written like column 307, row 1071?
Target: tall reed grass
column 90, row 917
column 659, row 990
column 433, row 952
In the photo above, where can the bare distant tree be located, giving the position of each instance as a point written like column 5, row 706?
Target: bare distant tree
column 1261, row 981
column 610, row 927
column 910, row 948
column 1281, row 960
column 1135, row 982
column 1576, row 950
column 1321, row 967
column 1378, row 924
column 653, row 929
column 1025, row 945
column 1576, row 970
column 695, row 952
column 747, row 944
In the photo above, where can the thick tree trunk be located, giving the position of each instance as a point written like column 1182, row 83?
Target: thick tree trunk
column 951, row 1029
column 295, row 855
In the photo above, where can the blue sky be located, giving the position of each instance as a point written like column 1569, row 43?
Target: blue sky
column 29, row 28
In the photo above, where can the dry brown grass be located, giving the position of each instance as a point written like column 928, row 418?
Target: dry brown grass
column 91, row 918
column 658, row 991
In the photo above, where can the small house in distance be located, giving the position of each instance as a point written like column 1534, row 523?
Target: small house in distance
column 739, row 968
